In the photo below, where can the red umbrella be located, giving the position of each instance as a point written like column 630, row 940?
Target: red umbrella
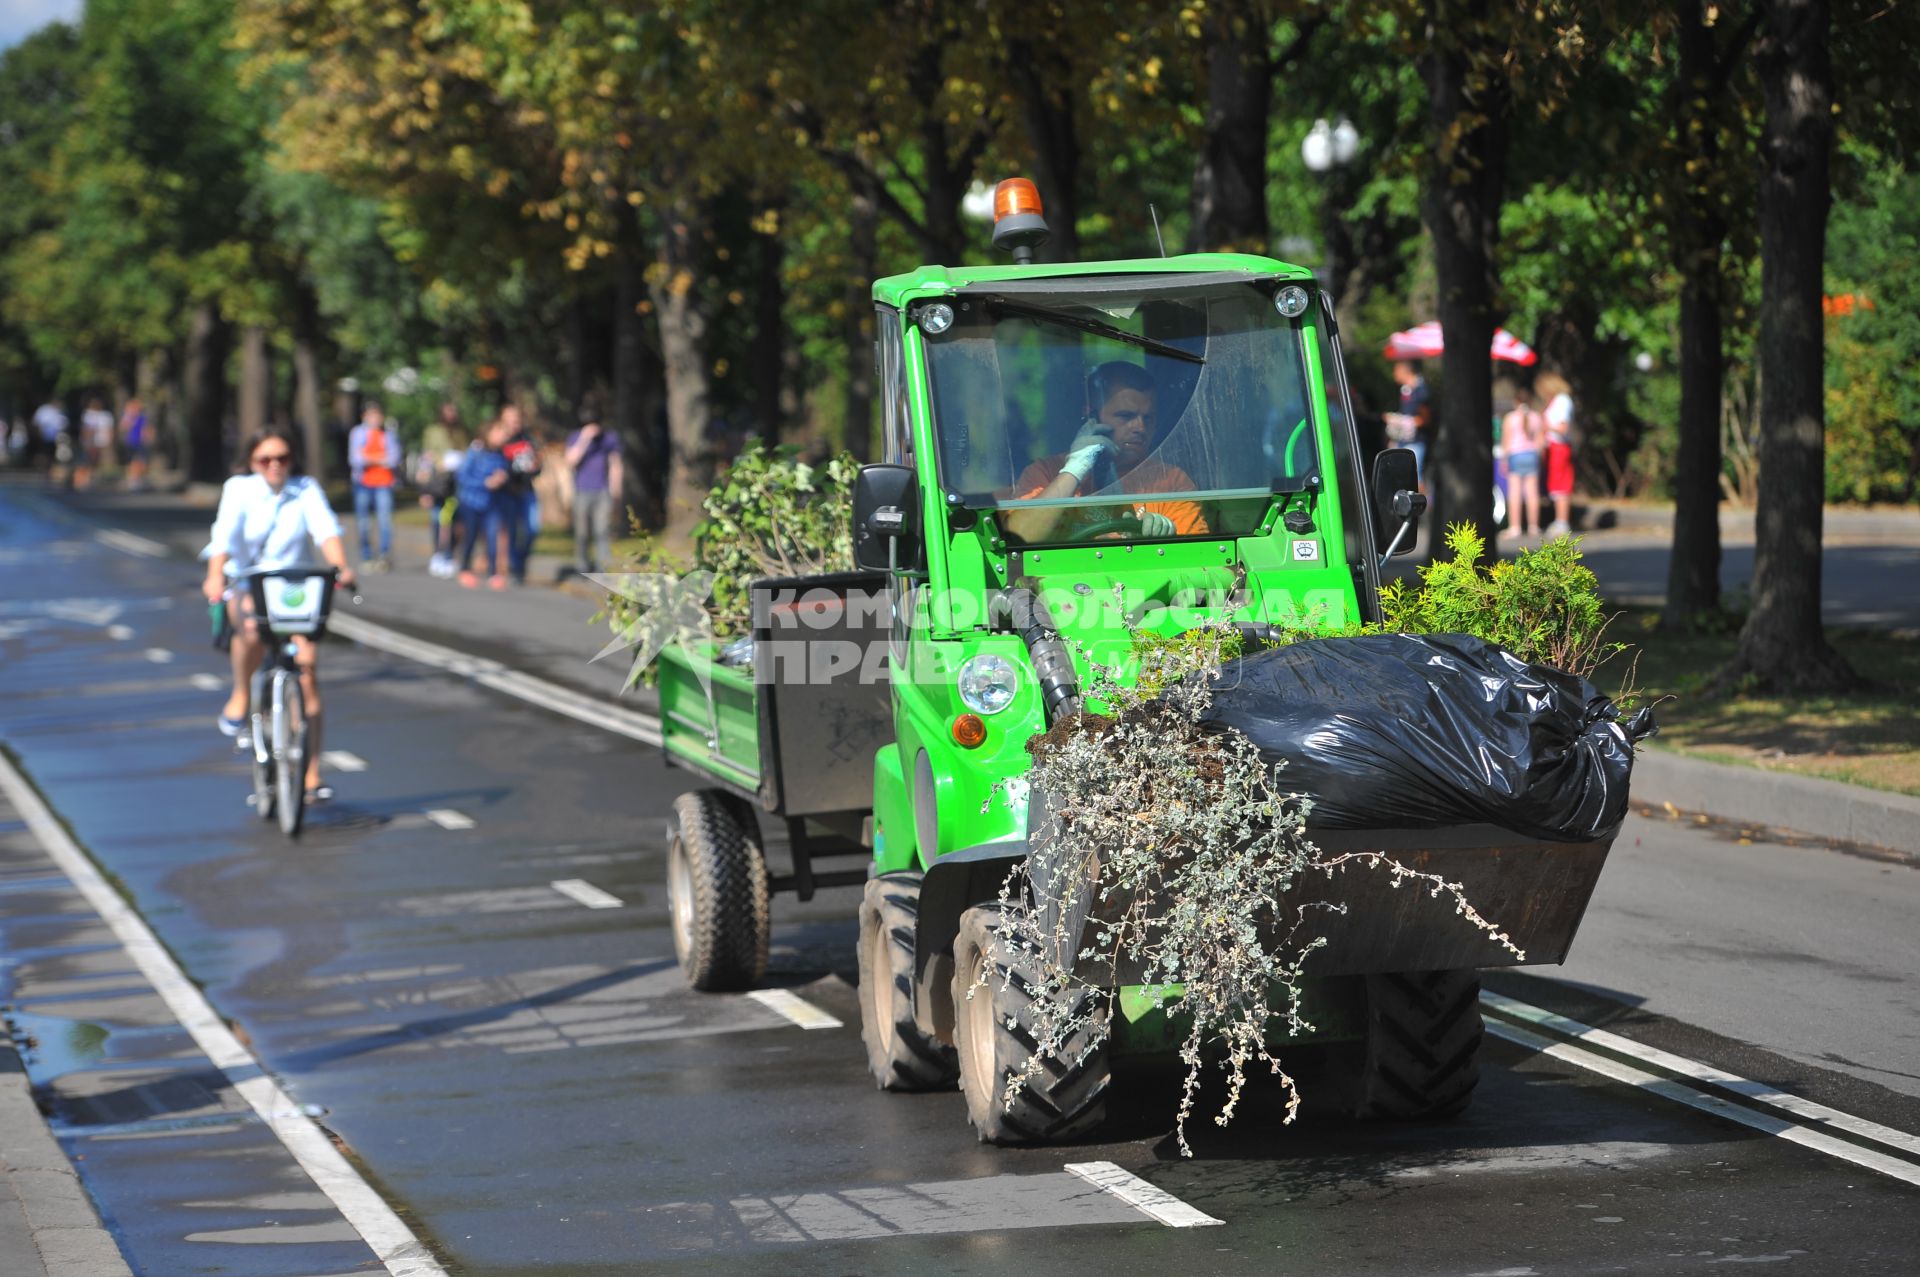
column 1423, row 342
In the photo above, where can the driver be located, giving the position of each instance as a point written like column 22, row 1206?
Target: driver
column 1109, row 453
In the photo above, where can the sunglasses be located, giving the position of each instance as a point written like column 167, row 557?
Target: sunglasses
column 265, row 459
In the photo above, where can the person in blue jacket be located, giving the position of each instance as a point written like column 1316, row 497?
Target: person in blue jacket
column 484, row 471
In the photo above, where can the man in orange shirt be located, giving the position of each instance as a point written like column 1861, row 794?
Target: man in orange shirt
column 373, row 452
column 1109, row 455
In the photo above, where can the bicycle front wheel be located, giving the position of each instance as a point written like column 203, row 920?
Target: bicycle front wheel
column 289, row 752
column 260, row 739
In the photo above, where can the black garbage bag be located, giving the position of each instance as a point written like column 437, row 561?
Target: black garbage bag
column 1417, row 731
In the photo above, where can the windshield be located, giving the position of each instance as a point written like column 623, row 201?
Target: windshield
column 1148, row 412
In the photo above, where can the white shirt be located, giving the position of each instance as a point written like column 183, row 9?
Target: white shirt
column 259, row 528
column 51, row 421
column 1559, row 418
column 98, row 423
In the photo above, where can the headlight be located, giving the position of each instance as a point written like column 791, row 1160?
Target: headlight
column 987, row 683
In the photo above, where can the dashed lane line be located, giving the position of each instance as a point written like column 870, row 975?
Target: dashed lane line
column 1756, row 1092
column 159, row 656
column 792, row 1006
column 448, row 818
column 502, row 678
column 586, row 893
column 404, row 1254
column 1681, row 1093
column 1144, row 1197
column 205, row 682
column 341, row 761
column 144, row 547
column 119, row 633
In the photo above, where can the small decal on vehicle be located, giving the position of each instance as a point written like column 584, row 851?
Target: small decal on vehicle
column 1306, row 551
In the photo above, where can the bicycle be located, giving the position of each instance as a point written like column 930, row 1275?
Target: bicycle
column 286, row 602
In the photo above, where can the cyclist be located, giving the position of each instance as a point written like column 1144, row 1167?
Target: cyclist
column 270, row 518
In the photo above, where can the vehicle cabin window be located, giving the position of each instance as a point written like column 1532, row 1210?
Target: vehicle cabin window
column 1201, row 388
column 891, row 375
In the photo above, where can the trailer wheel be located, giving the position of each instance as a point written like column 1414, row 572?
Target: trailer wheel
column 899, row 1055
column 993, row 1029
column 1420, row 1057
column 717, row 891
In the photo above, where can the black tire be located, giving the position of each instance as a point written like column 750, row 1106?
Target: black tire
column 1420, row 1057
column 289, row 753
column 899, row 1055
column 260, row 753
column 993, row 1031
column 717, row 891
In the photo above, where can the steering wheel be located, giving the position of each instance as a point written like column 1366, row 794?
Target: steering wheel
column 1129, row 523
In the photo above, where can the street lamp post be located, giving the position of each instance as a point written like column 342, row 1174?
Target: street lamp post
column 1328, row 149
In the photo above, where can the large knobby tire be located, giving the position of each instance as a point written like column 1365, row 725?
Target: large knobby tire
column 899, row 1055
column 717, row 891
column 993, row 1028
column 1420, row 1056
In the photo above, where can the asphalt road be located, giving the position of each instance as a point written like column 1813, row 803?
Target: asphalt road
column 529, row 1085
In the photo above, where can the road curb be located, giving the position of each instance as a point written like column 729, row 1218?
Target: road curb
column 1826, row 809
column 48, row 1224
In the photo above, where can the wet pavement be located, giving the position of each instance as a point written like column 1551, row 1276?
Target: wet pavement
column 530, row 1086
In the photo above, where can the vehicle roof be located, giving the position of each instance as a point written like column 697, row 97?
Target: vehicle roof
column 897, row 290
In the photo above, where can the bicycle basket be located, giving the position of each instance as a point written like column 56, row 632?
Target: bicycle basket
column 294, row 604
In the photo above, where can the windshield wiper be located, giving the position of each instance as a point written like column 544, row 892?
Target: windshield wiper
column 1095, row 327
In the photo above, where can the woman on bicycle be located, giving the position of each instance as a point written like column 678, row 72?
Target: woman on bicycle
column 271, row 518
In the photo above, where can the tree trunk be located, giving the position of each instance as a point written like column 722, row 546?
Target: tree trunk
column 256, row 381
column 633, row 372
column 1229, row 202
column 1047, row 88
column 1693, row 567
column 1782, row 644
column 203, row 435
column 1461, row 204
column 306, row 383
column 683, row 351
column 863, row 218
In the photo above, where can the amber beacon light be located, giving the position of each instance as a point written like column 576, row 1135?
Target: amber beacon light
column 1019, row 225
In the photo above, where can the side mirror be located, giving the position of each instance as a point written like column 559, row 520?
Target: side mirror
column 1398, row 502
column 886, row 518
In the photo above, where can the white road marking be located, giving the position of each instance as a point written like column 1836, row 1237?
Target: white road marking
column 1758, row 1092
column 120, row 633
column 501, row 678
column 586, row 893
column 159, row 656
column 794, row 1007
column 341, row 761
column 403, row 1253
column 1681, row 1093
column 145, row 547
column 1142, row 1196
column 448, row 818
column 206, row 682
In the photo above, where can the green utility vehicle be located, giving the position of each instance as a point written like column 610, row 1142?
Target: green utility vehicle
column 1073, row 453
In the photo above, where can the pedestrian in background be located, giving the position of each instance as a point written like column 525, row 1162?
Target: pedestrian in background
column 373, row 453
column 96, row 442
column 49, row 428
column 1412, row 426
column 1522, row 432
column 443, row 446
column 481, row 490
column 598, row 476
column 1559, row 418
column 133, row 438
column 519, row 509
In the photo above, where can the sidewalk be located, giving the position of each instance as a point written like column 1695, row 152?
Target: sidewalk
column 546, row 631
